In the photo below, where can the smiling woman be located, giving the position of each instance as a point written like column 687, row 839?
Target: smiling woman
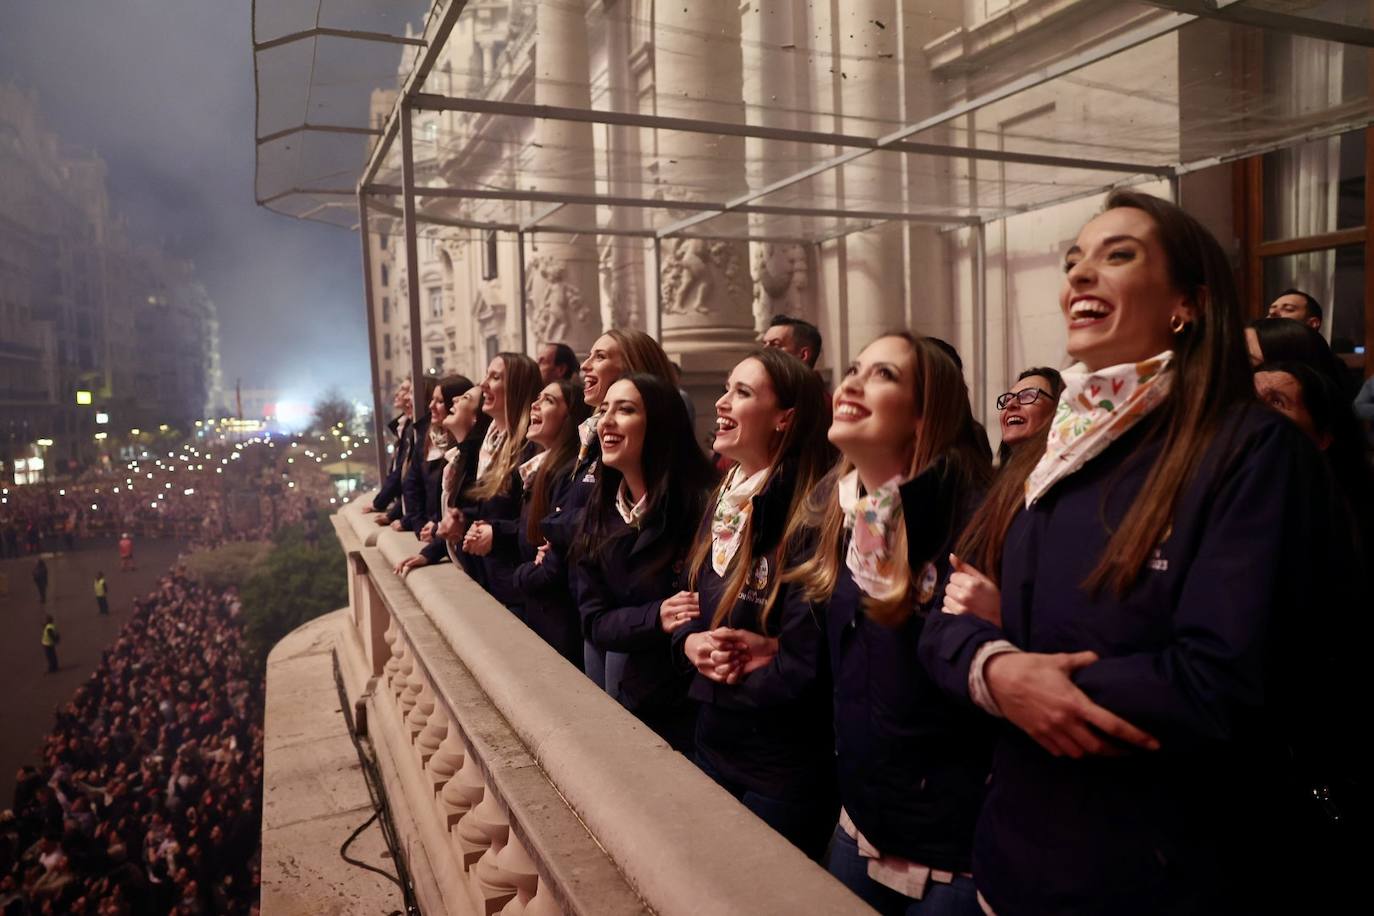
column 636, row 529
column 1145, row 645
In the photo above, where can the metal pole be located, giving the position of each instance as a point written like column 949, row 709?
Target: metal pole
column 657, row 330
column 378, row 423
column 524, row 302
column 980, row 320
column 417, row 368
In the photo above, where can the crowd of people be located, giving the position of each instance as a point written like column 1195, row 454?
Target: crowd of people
column 1111, row 672
column 201, row 493
column 148, row 795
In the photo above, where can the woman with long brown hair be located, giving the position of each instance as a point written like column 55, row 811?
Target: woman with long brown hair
column 1143, row 649
column 765, row 736
column 541, row 578
column 632, row 544
column 492, row 511
column 911, row 763
column 614, row 354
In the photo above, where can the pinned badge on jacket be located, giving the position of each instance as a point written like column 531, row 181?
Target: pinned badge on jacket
column 925, row 584
column 758, row 578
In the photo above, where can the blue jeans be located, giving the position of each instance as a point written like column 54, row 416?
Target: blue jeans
column 957, row 899
column 806, row 824
column 604, row 668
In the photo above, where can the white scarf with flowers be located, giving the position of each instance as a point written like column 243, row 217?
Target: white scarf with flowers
column 531, row 467
column 491, row 444
column 733, row 509
column 450, row 475
column 1095, row 409
column 869, row 517
column 586, row 433
column 632, row 513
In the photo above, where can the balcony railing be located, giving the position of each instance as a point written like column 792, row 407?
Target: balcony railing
column 519, row 787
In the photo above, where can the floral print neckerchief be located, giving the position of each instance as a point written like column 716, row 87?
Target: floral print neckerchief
column 586, row 433
column 491, row 444
column 450, row 473
column 531, row 467
column 869, row 516
column 632, row 514
column 1096, row 409
column 733, row 509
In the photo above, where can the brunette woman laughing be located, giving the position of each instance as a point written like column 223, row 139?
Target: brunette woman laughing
column 614, row 354
column 542, row 578
column 636, row 530
column 766, row 734
column 1149, row 649
column 490, row 547
column 467, row 426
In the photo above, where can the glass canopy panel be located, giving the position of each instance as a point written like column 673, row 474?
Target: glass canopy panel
column 1219, row 91
column 1009, row 108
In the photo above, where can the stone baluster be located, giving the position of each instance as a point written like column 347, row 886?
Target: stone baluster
column 480, row 827
column 543, row 903
column 461, row 794
column 419, row 714
column 391, row 637
column 404, row 665
column 434, row 733
column 518, row 868
column 409, row 693
column 447, row 759
column 492, row 886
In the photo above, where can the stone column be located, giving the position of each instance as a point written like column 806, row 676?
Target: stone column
column 699, row 73
column 562, row 285
column 868, row 43
column 707, row 291
column 774, row 93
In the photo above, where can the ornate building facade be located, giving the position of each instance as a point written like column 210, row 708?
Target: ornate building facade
column 84, row 307
column 856, row 68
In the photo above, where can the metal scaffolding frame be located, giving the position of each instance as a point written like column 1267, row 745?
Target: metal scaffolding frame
column 410, row 98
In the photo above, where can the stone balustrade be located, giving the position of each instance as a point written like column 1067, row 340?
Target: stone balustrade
column 517, row 786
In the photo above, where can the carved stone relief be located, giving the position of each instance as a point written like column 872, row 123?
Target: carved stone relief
column 554, row 301
column 781, row 280
column 704, row 277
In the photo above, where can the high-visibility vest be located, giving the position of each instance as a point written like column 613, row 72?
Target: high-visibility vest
column 49, row 635
column 100, row 587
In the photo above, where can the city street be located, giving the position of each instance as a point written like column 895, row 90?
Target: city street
column 31, row 694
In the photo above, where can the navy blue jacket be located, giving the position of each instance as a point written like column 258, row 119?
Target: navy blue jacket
column 912, row 762
column 772, row 731
column 413, row 479
column 496, row 571
column 544, row 590
column 391, row 486
column 618, row 593
column 1204, row 652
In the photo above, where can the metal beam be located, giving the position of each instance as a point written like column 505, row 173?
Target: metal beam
column 656, row 203
column 1100, row 51
column 383, row 37
column 378, row 424
column 759, row 131
column 524, row 302
column 539, row 217
column 412, row 265
column 320, row 129
column 434, row 44
column 1271, row 20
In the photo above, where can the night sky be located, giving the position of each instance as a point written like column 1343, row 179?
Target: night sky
column 163, row 91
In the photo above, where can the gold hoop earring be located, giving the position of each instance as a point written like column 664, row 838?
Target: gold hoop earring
column 1179, row 325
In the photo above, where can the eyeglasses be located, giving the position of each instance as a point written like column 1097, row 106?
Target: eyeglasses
column 1025, row 397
